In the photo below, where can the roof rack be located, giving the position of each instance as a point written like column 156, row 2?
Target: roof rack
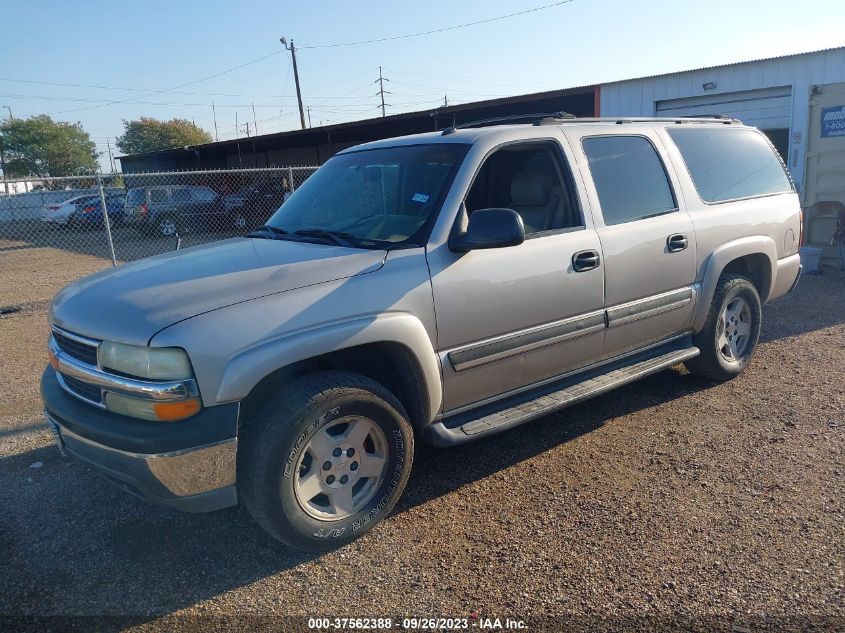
column 558, row 118
column 537, row 118
column 719, row 118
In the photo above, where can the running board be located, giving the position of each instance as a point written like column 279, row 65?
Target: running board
column 456, row 431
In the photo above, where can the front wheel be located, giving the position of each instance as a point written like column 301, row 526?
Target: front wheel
column 324, row 460
column 731, row 331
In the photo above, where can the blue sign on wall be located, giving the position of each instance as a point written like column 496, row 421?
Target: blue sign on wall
column 833, row 121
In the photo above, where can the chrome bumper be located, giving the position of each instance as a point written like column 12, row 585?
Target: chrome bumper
column 199, row 479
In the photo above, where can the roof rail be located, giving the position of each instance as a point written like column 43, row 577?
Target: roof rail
column 558, row 118
column 719, row 118
column 538, row 118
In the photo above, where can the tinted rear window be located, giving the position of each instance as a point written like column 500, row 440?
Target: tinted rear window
column 135, row 196
column 629, row 178
column 726, row 164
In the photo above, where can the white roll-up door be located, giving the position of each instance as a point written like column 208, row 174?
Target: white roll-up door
column 767, row 108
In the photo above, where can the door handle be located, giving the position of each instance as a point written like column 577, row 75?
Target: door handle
column 677, row 242
column 583, row 261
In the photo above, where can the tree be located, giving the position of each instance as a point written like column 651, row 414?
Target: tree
column 149, row 135
column 39, row 146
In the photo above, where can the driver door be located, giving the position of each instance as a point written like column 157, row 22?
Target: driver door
column 508, row 318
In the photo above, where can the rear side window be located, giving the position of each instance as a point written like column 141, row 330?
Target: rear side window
column 629, row 177
column 158, row 195
column 201, row 194
column 180, row 195
column 726, row 164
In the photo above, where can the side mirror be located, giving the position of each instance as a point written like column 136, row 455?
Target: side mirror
column 490, row 228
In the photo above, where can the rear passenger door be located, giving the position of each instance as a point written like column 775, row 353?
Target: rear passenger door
column 646, row 237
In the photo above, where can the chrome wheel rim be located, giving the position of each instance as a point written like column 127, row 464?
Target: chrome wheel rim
column 733, row 331
column 341, row 468
column 167, row 227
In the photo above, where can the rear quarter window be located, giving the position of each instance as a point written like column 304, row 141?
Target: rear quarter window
column 728, row 164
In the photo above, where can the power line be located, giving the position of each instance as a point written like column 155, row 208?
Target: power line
column 184, row 85
column 440, row 30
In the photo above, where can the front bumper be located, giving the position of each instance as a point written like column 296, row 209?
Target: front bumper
column 189, row 465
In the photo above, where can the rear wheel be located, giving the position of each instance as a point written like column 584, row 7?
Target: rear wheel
column 731, row 331
column 166, row 225
column 239, row 222
column 324, row 460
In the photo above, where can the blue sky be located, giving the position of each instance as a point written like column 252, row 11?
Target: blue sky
column 155, row 46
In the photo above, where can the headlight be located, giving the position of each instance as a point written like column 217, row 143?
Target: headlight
column 156, row 363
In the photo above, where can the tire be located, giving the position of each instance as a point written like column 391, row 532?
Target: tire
column 166, row 225
column 239, row 222
column 731, row 331
column 307, row 431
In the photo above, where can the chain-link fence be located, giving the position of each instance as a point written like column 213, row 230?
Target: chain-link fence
column 58, row 229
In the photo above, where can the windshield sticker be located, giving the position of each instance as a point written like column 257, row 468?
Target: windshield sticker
column 420, row 197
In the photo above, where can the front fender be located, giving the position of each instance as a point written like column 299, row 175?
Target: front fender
column 720, row 258
column 248, row 368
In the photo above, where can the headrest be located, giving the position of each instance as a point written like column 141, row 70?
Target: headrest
column 530, row 187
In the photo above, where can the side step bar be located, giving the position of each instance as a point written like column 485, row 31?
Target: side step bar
column 470, row 426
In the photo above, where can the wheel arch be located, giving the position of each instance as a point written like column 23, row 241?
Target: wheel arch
column 393, row 350
column 754, row 257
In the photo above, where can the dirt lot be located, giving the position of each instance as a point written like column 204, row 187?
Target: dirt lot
column 669, row 502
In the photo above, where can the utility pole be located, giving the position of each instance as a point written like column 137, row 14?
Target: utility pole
column 214, row 112
column 247, row 129
column 2, row 157
column 309, row 115
column 380, row 81
column 111, row 160
column 292, row 50
column 238, row 140
column 254, row 122
column 445, row 102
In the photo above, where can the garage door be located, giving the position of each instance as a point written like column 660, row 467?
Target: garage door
column 768, row 108
column 824, row 180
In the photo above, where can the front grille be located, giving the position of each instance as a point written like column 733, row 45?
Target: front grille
column 80, row 351
column 87, row 391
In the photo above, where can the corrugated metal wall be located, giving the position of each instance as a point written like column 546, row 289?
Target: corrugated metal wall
column 639, row 97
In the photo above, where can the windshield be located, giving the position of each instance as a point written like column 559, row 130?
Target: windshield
column 385, row 195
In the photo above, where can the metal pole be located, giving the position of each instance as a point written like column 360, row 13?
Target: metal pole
column 214, row 113
column 292, row 50
column 254, row 122
column 106, row 220
column 309, row 115
column 3, row 167
column 381, row 90
column 111, row 160
column 290, row 179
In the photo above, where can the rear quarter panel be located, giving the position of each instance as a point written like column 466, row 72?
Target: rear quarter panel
column 773, row 219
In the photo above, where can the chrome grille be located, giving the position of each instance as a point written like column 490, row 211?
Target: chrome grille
column 83, row 389
column 76, row 349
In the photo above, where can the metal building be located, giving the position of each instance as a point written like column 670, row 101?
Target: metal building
column 797, row 100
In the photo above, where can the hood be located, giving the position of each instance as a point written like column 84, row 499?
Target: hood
column 131, row 302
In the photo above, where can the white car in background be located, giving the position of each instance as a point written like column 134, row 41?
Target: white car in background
column 61, row 212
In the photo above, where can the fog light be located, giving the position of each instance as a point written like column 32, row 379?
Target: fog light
column 150, row 409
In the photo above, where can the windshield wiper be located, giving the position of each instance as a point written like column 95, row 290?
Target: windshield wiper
column 338, row 237
column 272, row 232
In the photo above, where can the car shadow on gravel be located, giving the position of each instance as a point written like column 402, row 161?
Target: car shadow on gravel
column 74, row 544
column 817, row 303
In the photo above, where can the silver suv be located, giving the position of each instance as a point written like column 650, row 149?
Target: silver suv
column 440, row 287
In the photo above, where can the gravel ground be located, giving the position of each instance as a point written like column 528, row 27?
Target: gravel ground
column 669, row 502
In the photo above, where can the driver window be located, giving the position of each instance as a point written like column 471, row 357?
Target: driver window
column 529, row 180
